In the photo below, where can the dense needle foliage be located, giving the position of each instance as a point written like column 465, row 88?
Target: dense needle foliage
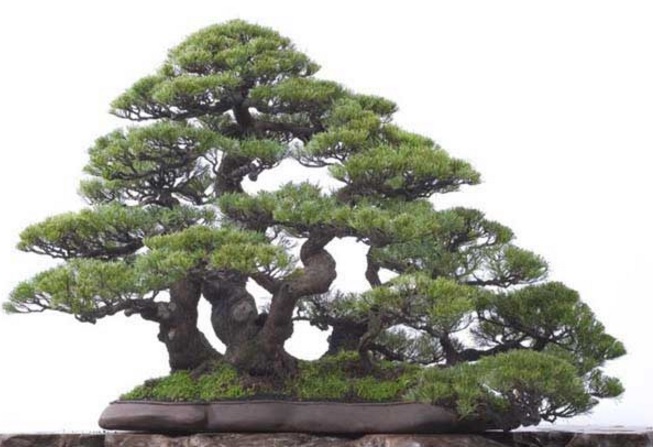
column 467, row 318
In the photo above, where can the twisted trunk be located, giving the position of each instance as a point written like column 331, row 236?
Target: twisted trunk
column 255, row 342
column 234, row 316
column 239, row 326
column 188, row 348
column 316, row 277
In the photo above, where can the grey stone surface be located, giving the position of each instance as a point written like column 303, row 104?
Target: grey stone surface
column 535, row 438
column 52, row 440
column 225, row 440
column 581, row 436
column 443, row 440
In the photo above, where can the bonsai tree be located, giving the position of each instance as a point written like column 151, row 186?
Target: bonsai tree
column 458, row 312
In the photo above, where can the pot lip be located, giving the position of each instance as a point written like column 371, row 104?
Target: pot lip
column 270, row 401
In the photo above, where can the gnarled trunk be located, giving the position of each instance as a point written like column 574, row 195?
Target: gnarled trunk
column 233, row 309
column 318, row 274
column 255, row 343
column 188, row 348
column 345, row 336
column 238, row 325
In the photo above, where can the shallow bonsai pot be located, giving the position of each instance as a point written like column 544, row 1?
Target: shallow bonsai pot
column 281, row 416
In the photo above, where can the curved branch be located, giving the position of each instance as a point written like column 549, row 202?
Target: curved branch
column 130, row 307
column 153, row 110
column 318, row 274
column 372, row 270
column 471, row 355
column 266, row 281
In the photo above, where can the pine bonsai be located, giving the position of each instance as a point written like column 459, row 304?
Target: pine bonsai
column 456, row 314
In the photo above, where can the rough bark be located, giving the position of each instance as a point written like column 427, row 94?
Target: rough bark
column 345, row 336
column 451, row 354
column 372, row 270
column 230, row 175
column 256, row 342
column 234, row 316
column 237, row 323
column 187, row 346
column 316, row 277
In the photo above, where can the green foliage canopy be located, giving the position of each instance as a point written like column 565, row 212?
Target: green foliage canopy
column 451, row 296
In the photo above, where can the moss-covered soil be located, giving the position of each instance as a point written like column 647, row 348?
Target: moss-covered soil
column 336, row 378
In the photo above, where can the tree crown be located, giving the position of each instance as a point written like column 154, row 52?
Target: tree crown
column 171, row 218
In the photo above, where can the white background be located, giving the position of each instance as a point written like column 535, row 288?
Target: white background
column 551, row 101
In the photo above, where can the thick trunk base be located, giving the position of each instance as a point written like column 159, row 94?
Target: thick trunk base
column 188, row 348
column 259, row 359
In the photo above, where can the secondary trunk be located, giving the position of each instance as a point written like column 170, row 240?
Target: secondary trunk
column 238, row 325
column 234, row 315
column 188, row 348
column 345, row 336
column 265, row 354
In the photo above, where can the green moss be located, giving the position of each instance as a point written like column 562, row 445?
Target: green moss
column 334, row 378
column 340, row 377
column 222, row 383
column 506, row 390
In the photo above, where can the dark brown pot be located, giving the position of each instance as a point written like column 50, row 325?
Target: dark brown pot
column 281, row 416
